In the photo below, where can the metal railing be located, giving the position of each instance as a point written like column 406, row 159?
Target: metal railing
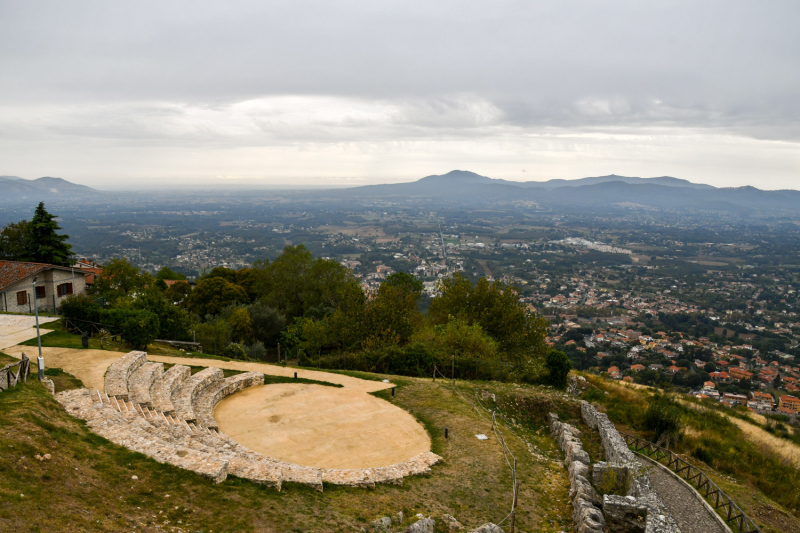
column 731, row 513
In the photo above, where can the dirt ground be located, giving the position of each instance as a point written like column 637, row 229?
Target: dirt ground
column 321, row 426
column 87, row 365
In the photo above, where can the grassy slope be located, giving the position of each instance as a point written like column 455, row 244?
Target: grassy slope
column 759, row 480
column 87, row 484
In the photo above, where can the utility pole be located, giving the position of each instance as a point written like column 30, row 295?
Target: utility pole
column 40, row 360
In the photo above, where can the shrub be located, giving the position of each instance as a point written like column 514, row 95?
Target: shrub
column 256, row 351
column 663, row 418
column 137, row 326
column 235, row 351
column 558, row 367
column 80, row 308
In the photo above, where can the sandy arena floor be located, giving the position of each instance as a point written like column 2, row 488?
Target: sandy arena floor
column 321, row 426
column 312, row 425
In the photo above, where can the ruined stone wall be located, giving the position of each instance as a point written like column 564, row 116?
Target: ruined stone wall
column 640, row 509
column 586, row 502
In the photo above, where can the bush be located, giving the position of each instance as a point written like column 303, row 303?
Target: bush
column 235, row 351
column 267, row 323
column 256, row 351
column 558, row 367
column 80, row 308
column 663, row 418
column 137, row 326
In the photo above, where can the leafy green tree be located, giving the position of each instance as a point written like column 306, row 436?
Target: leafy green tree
column 15, row 241
column 178, row 293
column 118, row 280
column 161, row 285
column 392, row 316
column 225, row 273
column 496, row 308
column 168, row 273
column 267, row 323
column 174, row 321
column 241, row 326
column 558, row 367
column 663, row 418
column 211, row 295
column 457, row 338
column 212, row 335
column 46, row 245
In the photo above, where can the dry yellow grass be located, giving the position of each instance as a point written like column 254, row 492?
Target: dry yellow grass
column 786, row 450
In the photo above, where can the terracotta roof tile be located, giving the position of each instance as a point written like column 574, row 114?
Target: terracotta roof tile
column 13, row 271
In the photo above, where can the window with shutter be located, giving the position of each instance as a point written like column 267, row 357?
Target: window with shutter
column 22, row 298
column 69, row 288
column 40, row 292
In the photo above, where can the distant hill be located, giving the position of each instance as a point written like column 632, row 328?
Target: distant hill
column 46, row 188
column 665, row 192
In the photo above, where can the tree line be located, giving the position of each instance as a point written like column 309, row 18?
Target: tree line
column 318, row 312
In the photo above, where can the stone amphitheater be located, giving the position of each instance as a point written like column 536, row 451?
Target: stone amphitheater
column 168, row 416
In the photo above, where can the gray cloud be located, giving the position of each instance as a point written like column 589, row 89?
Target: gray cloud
column 243, row 74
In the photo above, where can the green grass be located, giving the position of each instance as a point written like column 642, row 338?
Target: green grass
column 717, row 446
column 87, row 484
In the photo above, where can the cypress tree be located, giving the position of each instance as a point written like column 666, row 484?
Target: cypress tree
column 47, row 246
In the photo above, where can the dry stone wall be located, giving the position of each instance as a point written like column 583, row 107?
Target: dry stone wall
column 639, row 509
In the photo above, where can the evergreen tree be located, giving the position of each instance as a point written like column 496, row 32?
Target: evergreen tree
column 15, row 241
column 47, row 246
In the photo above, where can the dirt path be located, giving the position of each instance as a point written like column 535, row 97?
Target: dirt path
column 87, row 365
column 347, row 382
column 321, row 426
column 690, row 514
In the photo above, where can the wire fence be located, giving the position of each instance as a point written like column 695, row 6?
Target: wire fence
column 508, row 455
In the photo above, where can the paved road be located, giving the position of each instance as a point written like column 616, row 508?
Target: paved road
column 691, row 515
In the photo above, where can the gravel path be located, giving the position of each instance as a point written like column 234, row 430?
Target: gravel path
column 691, row 515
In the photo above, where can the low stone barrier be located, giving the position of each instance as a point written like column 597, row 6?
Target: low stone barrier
column 640, row 508
column 586, row 502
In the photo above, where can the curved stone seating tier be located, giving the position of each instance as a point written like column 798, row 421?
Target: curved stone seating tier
column 183, row 398
column 134, row 432
column 207, row 398
column 116, row 380
column 141, row 380
column 168, row 436
column 165, row 386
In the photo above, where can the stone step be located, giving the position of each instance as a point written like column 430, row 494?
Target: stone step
column 132, row 431
column 207, row 398
column 187, row 392
column 116, row 380
column 141, row 380
column 165, row 386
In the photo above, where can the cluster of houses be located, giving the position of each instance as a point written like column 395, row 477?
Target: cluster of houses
column 756, row 400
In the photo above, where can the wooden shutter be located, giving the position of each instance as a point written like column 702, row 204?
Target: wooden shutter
column 68, row 287
column 22, row 297
column 40, row 292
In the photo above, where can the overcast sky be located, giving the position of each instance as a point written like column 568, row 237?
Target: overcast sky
column 330, row 93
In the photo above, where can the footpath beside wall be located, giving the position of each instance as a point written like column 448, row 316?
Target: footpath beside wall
column 640, row 509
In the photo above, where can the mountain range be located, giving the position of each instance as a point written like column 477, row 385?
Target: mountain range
column 16, row 188
column 469, row 188
column 460, row 187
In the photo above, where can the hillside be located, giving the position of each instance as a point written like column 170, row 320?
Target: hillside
column 464, row 187
column 15, row 188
